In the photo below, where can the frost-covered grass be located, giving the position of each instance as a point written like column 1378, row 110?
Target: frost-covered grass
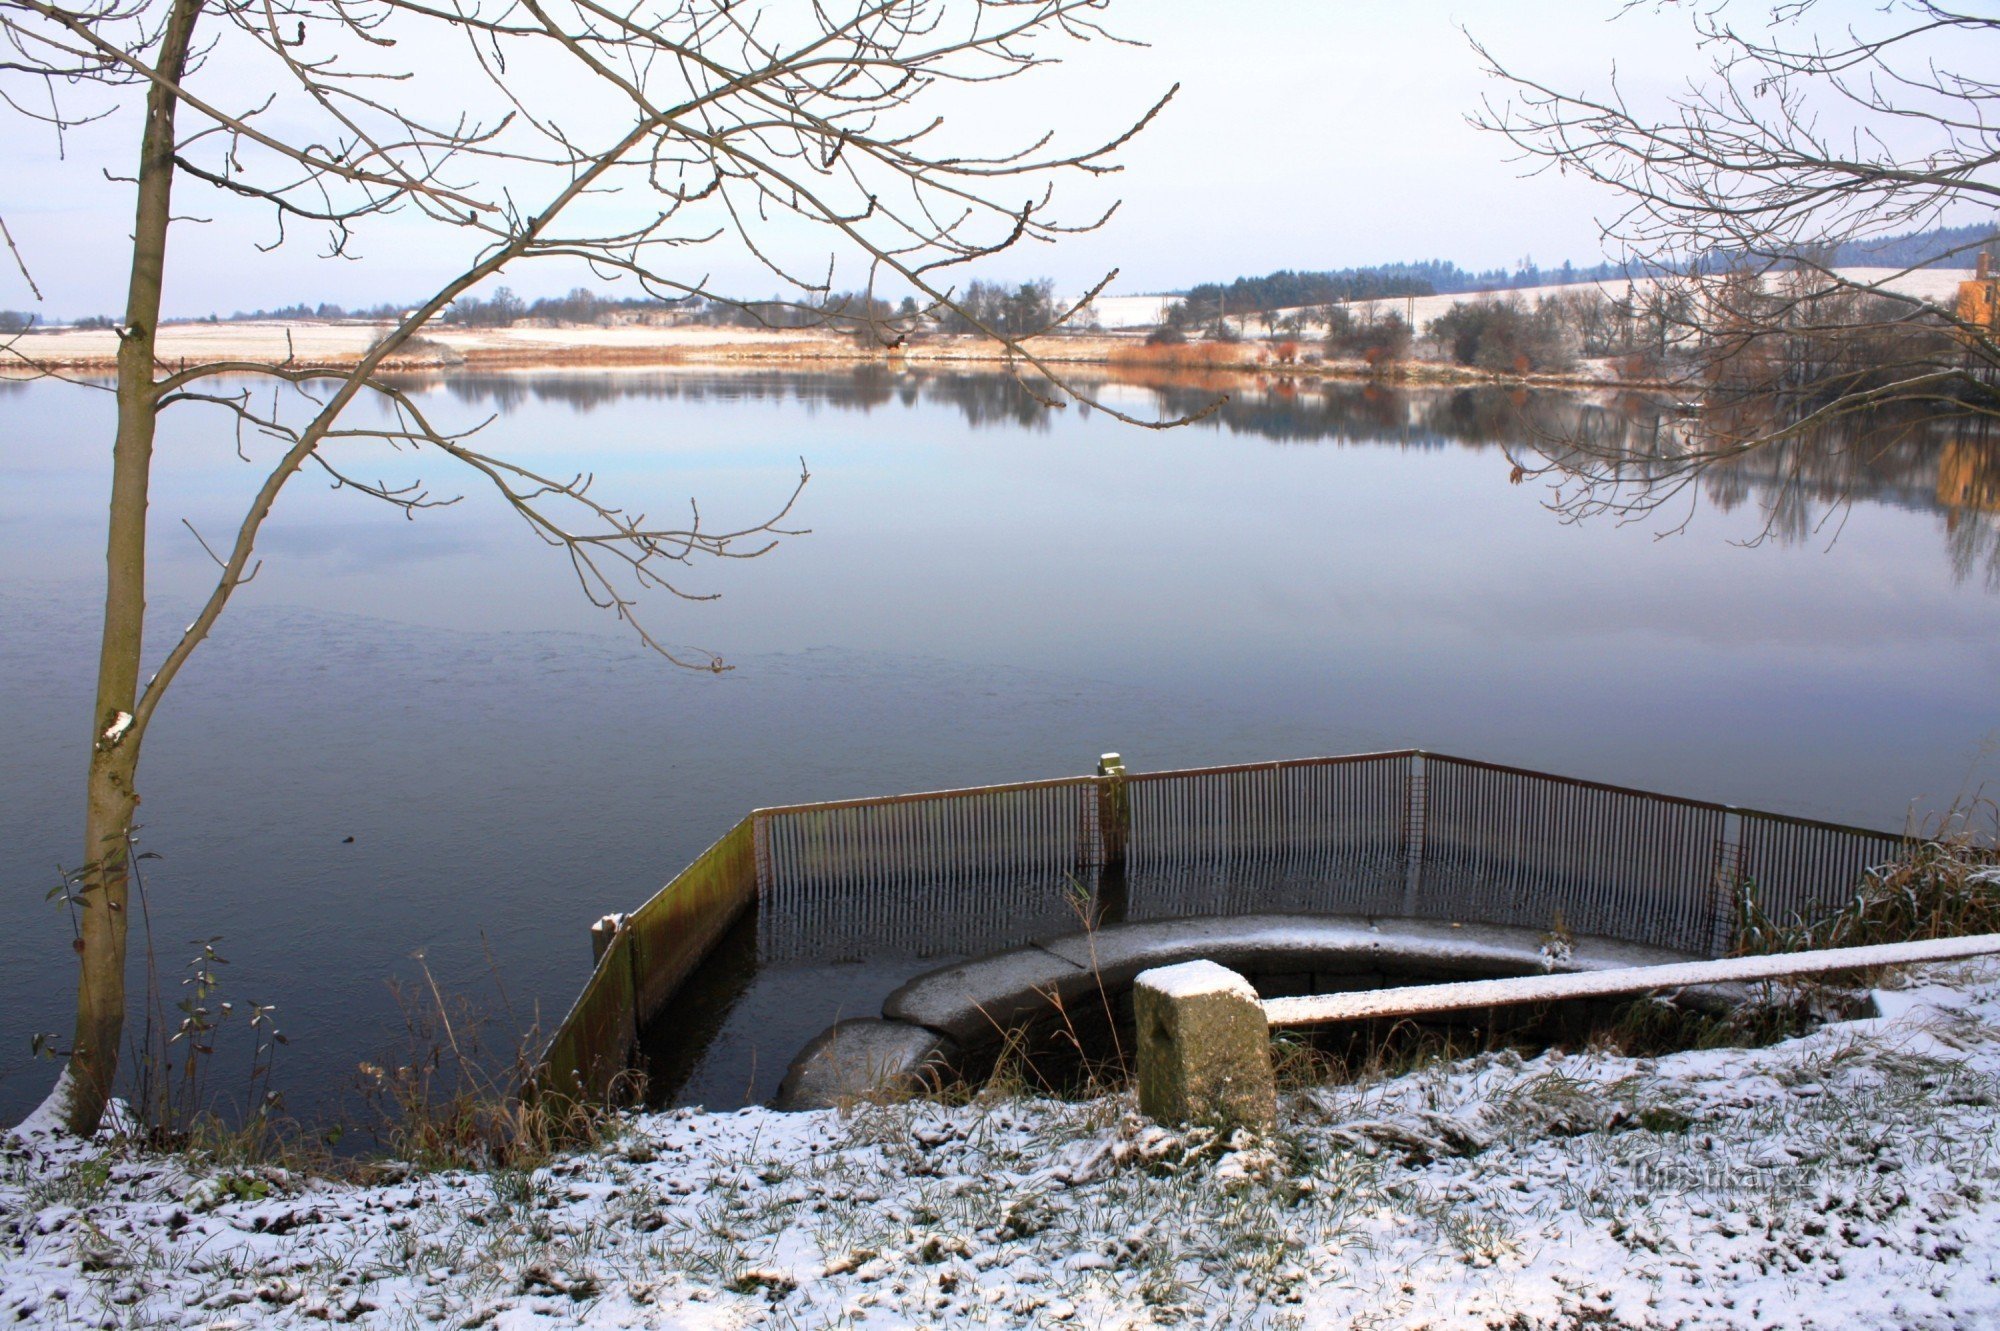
column 1849, row 1177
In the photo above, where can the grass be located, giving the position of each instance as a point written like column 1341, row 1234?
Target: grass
column 1947, row 887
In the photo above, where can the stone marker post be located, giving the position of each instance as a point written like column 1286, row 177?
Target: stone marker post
column 1204, row 1047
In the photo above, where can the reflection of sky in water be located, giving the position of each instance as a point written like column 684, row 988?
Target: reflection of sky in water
column 973, row 604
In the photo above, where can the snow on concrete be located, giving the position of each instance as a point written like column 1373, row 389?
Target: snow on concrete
column 1195, row 979
column 1411, row 1000
column 1847, row 1178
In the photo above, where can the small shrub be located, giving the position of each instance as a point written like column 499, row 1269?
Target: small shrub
column 1375, row 341
column 1507, row 336
column 454, row 1102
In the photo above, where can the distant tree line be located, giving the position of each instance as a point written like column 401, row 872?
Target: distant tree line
column 1025, row 307
column 20, row 321
column 299, row 310
column 1946, row 247
column 581, row 306
column 838, row 310
column 1288, row 289
column 1015, row 309
column 1291, row 289
column 1741, row 336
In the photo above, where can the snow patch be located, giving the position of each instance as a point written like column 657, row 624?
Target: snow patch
column 51, row 1117
column 1195, row 979
column 1916, row 1002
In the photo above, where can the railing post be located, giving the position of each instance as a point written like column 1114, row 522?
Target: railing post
column 1114, row 827
column 1416, row 815
column 601, row 933
column 1728, row 883
column 1114, row 809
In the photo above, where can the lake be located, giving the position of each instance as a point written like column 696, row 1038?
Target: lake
column 415, row 738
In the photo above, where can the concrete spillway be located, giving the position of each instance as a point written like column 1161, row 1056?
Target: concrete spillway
column 939, row 1020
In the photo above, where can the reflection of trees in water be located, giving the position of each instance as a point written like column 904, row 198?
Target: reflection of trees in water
column 1802, row 486
column 983, row 399
column 1968, row 489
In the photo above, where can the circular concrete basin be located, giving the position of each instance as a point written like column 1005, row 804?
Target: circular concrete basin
column 932, row 1024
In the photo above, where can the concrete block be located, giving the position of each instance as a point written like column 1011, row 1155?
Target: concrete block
column 1204, row 1047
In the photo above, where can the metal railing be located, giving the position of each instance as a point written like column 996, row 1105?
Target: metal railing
column 1406, row 833
column 924, row 875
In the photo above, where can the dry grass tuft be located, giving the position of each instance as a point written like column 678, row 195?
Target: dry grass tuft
column 1943, row 888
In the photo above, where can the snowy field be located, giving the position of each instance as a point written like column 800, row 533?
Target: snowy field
column 1937, row 285
column 1848, row 1178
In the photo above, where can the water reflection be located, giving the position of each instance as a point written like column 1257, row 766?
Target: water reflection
column 1652, row 460
column 1801, row 486
column 981, row 399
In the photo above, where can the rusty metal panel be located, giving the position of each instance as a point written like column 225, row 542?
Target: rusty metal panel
column 1324, row 834
column 1508, row 846
column 1802, row 871
column 593, row 1047
column 647, row 960
column 673, row 931
column 953, row 872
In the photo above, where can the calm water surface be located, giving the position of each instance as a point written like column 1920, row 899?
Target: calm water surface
column 988, row 593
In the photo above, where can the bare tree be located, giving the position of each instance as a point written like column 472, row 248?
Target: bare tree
column 615, row 134
column 1738, row 197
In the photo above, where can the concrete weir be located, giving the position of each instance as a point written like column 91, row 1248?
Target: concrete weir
column 934, row 1019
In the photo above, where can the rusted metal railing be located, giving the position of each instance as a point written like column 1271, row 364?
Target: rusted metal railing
column 923, row 875
column 1405, row 833
column 644, row 960
column 1504, row 845
column 1319, row 834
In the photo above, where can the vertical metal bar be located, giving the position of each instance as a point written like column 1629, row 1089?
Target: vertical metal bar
column 1416, row 815
column 1728, row 877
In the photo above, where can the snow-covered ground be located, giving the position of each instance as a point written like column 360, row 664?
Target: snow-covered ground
column 1115, row 312
column 1848, row 1178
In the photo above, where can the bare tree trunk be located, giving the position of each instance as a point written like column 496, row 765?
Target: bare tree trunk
column 114, row 755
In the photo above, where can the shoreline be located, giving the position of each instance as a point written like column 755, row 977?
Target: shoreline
column 335, row 347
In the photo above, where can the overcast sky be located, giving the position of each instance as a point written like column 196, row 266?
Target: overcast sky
column 1308, row 134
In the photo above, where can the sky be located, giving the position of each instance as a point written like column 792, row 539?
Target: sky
column 1307, row 134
